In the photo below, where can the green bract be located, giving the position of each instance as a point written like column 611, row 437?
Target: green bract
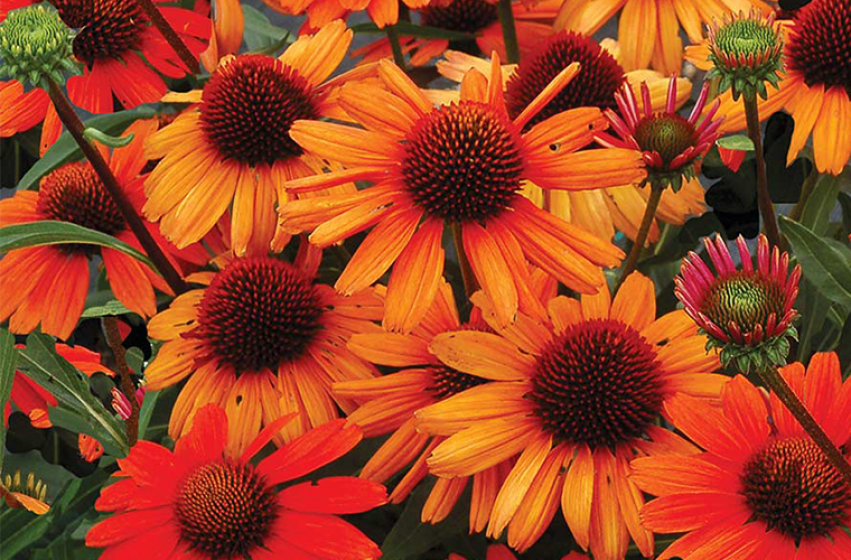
column 746, row 52
column 35, row 43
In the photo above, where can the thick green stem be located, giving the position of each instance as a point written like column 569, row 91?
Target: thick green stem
column 643, row 231
column 76, row 128
column 467, row 274
column 509, row 31
column 772, row 378
column 113, row 338
column 395, row 46
column 171, row 37
column 766, row 208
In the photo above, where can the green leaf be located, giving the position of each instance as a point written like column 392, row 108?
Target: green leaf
column 260, row 34
column 409, row 29
column 410, row 538
column 147, row 411
column 52, row 232
column 110, row 308
column 78, row 409
column 66, row 149
column 736, row 142
column 816, row 214
column 8, row 357
column 827, row 266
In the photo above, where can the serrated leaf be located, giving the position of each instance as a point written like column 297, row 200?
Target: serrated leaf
column 736, row 142
column 828, row 267
column 52, row 232
column 66, row 149
column 77, row 406
column 822, row 200
column 8, row 358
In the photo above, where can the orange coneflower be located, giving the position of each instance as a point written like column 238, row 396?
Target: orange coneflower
column 390, row 402
column 477, row 18
column 762, row 489
column 818, row 61
column 462, row 164
column 322, row 12
column 816, row 87
column 201, row 502
column 577, row 397
column 261, row 338
column 600, row 211
column 235, row 148
column 112, row 34
column 48, row 284
column 649, row 30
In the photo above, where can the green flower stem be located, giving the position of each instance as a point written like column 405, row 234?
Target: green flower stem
column 643, row 231
column 806, row 190
column 772, row 378
column 509, row 31
column 395, row 46
column 467, row 274
column 113, row 338
column 170, row 35
column 75, row 126
column 766, row 208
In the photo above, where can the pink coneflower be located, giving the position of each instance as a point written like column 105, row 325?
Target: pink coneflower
column 670, row 144
column 121, row 404
column 744, row 306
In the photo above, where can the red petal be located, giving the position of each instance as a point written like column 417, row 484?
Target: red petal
column 147, row 463
column 206, row 440
column 326, row 536
column 156, row 543
column 126, row 526
column 127, row 495
column 338, row 494
column 308, row 452
column 265, row 436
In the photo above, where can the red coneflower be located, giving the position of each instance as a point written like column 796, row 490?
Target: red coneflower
column 762, row 489
column 201, row 503
column 669, row 144
column 48, row 284
column 501, row 552
column 112, row 34
column 21, row 111
column 748, row 307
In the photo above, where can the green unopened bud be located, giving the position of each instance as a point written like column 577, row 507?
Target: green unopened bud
column 35, row 43
column 746, row 51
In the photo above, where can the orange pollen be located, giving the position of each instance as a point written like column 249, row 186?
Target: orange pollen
column 792, row 487
column 463, row 162
column 225, row 510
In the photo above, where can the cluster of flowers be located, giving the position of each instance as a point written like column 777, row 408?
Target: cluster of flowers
column 306, row 216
